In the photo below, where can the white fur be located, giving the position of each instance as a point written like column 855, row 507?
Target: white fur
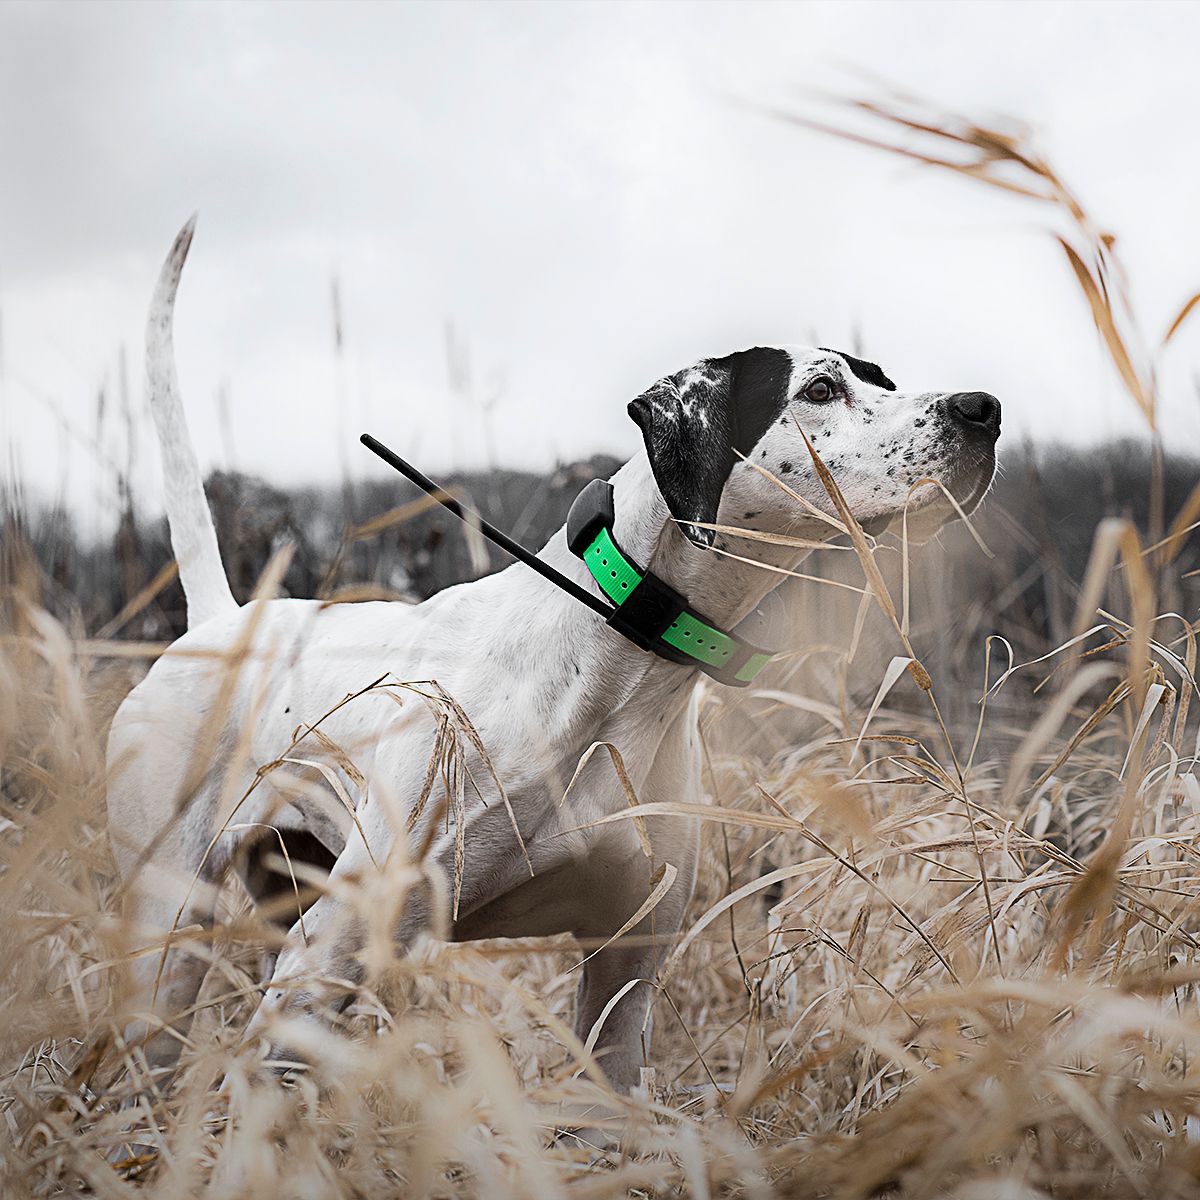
column 193, row 538
column 540, row 678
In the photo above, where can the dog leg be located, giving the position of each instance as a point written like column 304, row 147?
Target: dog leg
column 169, row 912
column 170, row 867
column 614, row 1001
column 320, row 964
column 623, row 1036
column 170, row 894
column 313, row 979
column 625, row 877
column 623, row 1042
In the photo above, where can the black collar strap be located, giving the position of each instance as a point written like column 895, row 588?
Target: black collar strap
column 647, row 611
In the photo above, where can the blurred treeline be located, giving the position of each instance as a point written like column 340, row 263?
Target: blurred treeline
column 1038, row 522
column 373, row 538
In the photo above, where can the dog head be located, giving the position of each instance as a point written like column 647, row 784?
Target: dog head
column 708, row 426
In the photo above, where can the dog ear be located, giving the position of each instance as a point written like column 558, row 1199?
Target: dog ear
column 697, row 422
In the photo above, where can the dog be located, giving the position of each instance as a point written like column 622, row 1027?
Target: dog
column 325, row 728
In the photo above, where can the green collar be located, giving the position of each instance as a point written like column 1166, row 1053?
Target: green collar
column 647, row 611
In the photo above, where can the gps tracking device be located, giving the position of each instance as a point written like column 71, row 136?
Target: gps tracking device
column 644, row 609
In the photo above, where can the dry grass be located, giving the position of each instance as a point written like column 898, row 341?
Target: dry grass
column 977, row 976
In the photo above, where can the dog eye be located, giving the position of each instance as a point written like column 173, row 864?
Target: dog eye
column 820, row 391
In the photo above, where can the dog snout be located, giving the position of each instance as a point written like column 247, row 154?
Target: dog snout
column 977, row 411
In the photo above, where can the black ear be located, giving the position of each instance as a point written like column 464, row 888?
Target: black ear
column 696, row 422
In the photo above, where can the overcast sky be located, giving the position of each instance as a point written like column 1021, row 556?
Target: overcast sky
column 569, row 185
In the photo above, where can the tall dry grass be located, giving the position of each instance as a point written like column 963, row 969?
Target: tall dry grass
column 915, row 966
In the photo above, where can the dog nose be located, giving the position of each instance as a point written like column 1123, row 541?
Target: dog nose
column 976, row 409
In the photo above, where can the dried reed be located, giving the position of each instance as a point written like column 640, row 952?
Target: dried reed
column 914, row 967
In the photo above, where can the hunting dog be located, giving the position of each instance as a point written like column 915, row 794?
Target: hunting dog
column 421, row 753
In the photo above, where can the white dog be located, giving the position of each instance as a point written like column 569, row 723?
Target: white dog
column 242, row 734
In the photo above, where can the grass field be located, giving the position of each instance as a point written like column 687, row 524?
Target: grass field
column 944, row 942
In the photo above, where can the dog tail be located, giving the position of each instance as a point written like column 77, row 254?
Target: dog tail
column 193, row 538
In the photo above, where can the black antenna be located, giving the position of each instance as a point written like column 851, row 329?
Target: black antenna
column 489, row 531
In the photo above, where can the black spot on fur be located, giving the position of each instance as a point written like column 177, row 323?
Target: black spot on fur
column 785, row 467
column 868, row 372
column 750, row 516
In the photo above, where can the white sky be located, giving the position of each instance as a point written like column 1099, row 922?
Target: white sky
column 569, row 185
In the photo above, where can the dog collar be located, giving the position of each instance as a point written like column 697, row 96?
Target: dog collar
column 647, row 611
column 644, row 609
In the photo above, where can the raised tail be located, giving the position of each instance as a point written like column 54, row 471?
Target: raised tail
column 193, row 538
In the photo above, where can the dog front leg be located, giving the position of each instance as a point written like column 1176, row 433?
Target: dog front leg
column 619, row 982
column 623, row 1039
column 370, row 913
column 321, row 962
